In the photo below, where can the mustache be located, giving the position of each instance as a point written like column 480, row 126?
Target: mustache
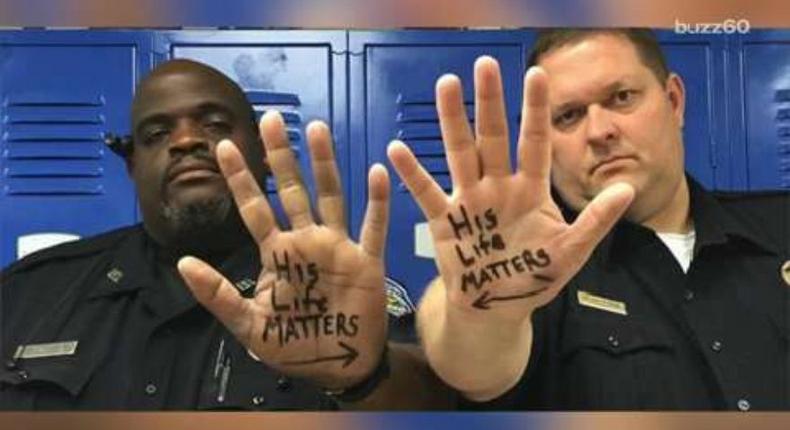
column 199, row 156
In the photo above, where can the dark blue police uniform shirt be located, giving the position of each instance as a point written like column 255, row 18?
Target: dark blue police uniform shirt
column 143, row 342
column 711, row 339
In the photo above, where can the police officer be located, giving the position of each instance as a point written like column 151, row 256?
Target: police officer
column 545, row 300
column 108, row 323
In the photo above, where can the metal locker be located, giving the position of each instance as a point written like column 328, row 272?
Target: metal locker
column 762, row 72
column 711, row 157
column 60, row 92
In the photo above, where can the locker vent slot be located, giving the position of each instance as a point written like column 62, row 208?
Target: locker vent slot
column 288, row 105
column 418, row 126
column 783, row 133
column 52, row 144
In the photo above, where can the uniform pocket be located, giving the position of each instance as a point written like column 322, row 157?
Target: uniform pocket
column 610, row 363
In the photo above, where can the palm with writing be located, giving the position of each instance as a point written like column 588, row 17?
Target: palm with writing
column 319, row 305
column 502, row 246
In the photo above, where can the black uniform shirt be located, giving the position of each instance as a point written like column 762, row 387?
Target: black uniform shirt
column 633, row 331
column 143, row 342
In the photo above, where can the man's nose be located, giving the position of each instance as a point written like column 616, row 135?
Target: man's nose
column 601, row 128
column 188, row 136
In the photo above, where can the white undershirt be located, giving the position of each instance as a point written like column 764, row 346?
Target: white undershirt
column 681, row 245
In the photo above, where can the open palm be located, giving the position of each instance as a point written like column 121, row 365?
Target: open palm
column 502, row 245
column 319, row 305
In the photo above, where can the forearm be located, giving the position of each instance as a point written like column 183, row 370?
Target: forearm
column 480, row 357
column 411, row 384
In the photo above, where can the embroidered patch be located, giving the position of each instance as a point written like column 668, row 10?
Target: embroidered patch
column 398, row 301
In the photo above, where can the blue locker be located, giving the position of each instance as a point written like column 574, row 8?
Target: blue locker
column 392, row 79
column 60, row 92
column 761, row 70
column 711, row 156
column 300, row 73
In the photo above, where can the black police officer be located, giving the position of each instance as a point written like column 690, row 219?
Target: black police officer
column 107, row 323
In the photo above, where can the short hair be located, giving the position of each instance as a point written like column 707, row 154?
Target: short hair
column 183, row 65
column 643, row 40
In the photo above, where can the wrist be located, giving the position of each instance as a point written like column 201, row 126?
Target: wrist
column 363, row 388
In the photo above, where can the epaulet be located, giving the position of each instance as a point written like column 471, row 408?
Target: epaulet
column 766, row 212
column 761, row 200
column 74, row 249
column 766, row 195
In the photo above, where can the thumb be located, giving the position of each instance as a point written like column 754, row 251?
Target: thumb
column 216, row 294
column 598, row 218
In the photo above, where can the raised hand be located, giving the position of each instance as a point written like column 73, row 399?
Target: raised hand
column 502, row 246
column 319, row 305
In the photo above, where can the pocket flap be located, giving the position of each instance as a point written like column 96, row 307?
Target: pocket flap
column 613, row 337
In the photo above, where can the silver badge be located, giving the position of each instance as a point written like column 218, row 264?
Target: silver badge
column 245, row 284
column 115, row 275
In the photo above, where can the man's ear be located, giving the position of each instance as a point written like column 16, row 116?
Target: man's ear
column 123, row 146
column 129, row 164
column 676, row 92
column 128, row 157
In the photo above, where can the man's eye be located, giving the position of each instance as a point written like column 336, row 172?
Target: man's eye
column 567, row 118
column 218, row 127
column 623, row 97
column 155, row 136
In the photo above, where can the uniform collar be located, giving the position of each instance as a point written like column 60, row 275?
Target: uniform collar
column 128, row 270
column 716, row 225
column 713, row 224
column 137, row 267
column 133, row 266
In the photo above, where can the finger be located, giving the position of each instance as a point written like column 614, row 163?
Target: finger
column 534, row 148
column 327, row 178
column 428, row 194
column 459, row 144
column 217, row 295
column 491, row 118
column 293, row 194
column 252, row 204
column 374, row 226
column 597, row 219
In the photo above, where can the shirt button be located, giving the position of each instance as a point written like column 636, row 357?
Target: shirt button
column 150, row 389
column 613, row 341
column 716, row 346
column 258, row 400
column 688, row 295
column 744, row 405
column 283, row 383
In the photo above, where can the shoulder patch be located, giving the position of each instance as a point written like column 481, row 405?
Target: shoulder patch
column 399, row 303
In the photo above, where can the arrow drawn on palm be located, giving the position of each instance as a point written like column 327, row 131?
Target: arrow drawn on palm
column 319, row 305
